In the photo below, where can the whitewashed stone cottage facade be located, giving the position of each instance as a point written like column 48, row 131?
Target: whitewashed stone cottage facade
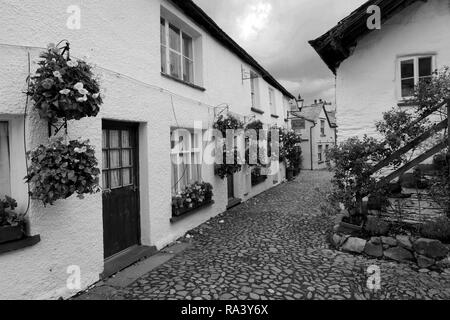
column 151, row 86
column 377, row 69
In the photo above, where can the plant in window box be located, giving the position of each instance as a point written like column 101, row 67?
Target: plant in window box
column 59, row 170
column 192, row 197
column 12, row 225
column 63, row 88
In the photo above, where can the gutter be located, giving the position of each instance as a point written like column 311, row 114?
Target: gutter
column 311, row 142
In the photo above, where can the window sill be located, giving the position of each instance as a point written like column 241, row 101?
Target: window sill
column 275, row 116
column 406, row 103
column 256, row 110
column 19, row 244
column 188, row 212
column 165, row 75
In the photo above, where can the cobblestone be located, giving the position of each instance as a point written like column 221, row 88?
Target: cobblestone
column 275, row 247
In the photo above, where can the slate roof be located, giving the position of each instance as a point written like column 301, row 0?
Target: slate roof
column 336, row 45
column 190, row 9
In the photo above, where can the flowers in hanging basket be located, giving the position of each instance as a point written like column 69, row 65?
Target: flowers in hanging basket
column 193, row 196
column 64, row 89
column 59, row 170
column 225, row 168
column 227, row 122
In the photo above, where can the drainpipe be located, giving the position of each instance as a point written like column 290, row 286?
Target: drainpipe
column 311, row 143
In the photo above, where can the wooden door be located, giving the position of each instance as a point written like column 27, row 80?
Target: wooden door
column 121, row 223
column 230, row 182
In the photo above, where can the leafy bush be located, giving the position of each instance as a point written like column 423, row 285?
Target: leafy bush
column 439, row 230
column 226, row 169
column 59, row 170
column 290, row 148
column 193, row 196
column 353, row 161
column 7, row 216
column 64, row 89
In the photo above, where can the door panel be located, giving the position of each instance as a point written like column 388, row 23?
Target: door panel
column 121, row 225
column 230, row 182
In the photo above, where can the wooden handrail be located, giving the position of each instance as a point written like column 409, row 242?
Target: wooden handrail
column 413, row 163
column 411, row 145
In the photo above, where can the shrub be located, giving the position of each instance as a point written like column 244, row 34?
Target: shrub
column 439, row 230
column 227, row 122
column 225, row 169
column 59, row 170
column 64, row 89
column 353, row 161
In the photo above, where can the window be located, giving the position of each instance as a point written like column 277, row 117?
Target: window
column 412, row 71
column 322, row 127
column 177, row 54
column 320, row 154
column 273, row 106
column 186, row 158
column 119, row 150
column 5, row 178
column 254, row 89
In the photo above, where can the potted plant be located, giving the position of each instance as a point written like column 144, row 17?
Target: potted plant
column 64, row 88
column 12, row 225
column 192, row 197
column 59, row 170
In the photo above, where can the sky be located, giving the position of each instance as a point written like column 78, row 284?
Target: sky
column 276, row 34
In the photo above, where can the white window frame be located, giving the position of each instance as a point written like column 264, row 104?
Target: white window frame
column 272, row 102
column 323, row 125
column 320, row 153
column 416, row 71
column 184, row 152
column 182, row 54
column 254, row 89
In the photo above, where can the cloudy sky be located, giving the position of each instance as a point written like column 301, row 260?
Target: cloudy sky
column 276, row 33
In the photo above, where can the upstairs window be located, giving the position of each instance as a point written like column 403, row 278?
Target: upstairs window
column 322, row 127
column 5, row 175
column 273, row 106
column 254, row 89
column 177, row 53
column 412, row 71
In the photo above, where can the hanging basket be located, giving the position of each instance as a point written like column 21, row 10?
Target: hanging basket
column 59, row 170
column 64, row 89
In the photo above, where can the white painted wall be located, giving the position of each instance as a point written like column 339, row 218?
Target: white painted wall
column 124, row 39
column 367, row 80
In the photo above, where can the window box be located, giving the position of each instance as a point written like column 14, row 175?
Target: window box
column 256, row 110
column 9, row 233
column 181, row 213
column 19, row 244
column 257, row 177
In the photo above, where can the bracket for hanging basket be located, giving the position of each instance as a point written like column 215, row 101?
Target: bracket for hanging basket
column 57, row 128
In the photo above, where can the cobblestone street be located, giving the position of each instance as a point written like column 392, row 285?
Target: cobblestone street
column 275, row 247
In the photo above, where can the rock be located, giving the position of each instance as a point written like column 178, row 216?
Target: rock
column 374, row 250
column 246, row 289
column 444, row 263
column 404, row 242
column 398, row 254
column 375, row 240
column 424, row 270
column 424, row 262
column 389, row 241
column 337, row 240
column 430, row 248
column 226, row 296
column 355, row 245
column 254, row 296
